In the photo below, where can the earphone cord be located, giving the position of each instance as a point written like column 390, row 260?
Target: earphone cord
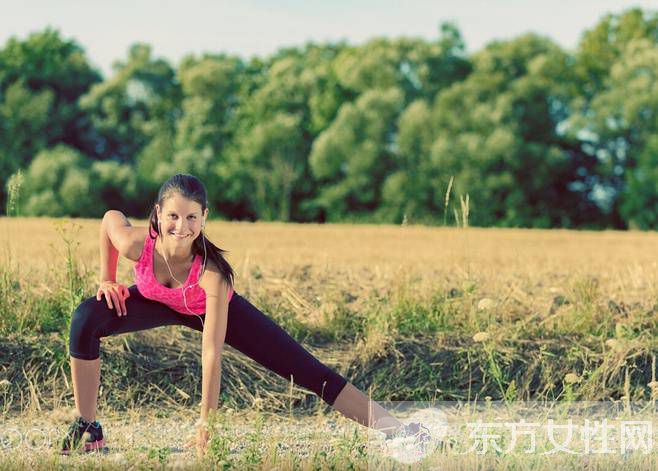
column 183, row 288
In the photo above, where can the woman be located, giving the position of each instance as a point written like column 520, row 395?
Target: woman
column 171, row 249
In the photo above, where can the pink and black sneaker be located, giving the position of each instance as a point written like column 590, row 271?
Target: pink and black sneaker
column 418, row 434
column 74, row 437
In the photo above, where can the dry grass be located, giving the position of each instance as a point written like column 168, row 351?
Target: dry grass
column 434, row 312
column 529, row 266
column 155, row 439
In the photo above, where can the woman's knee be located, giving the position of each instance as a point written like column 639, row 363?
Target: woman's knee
column 84, row 333
column 327, row 384
column 87, row 314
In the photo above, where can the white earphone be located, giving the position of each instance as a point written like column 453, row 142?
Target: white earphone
column 203, row 267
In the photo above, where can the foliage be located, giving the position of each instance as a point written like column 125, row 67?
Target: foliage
column 527, row 133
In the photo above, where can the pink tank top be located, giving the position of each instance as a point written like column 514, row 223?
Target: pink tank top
column 151, row 288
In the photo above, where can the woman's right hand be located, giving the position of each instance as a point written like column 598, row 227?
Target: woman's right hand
column 115, row 295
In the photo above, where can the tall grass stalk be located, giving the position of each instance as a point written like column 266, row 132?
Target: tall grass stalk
column 75, row 280
column 13, row 191
column 446, row 200
column 465, row 207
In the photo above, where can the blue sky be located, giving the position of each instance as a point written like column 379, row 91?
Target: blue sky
column 256, row 27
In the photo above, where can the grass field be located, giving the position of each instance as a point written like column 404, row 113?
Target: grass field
column 409, row 313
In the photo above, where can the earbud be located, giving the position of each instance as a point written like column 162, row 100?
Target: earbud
column 203, row 267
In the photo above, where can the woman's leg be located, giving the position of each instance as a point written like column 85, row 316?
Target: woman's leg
column 86, row 376
column 354, row 404
column 260, row 338
column 93, row 320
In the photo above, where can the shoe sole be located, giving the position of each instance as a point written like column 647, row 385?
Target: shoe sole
column 97, row 446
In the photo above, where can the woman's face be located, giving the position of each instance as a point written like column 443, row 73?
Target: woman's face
column 180, row 219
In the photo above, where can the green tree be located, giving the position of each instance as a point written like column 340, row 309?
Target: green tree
column 411, row 190
column 117, row 187
column 57, row 183
column 623, row 120
column 141, row 100
column 352, row 157
column 615, row 112
column 417, row 67
column 601, row 46
column 498, row 132
column 418, row 70
column 285, row 103
column 270, row 154
column 210, row 87
column 41, row 79
column 25, row 118
column 63, row 182
column 640, row 203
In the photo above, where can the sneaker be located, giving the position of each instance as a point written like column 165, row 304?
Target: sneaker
column 408, row 444
column 414, row 432
column 77, row 430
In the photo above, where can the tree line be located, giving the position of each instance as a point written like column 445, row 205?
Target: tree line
column 534, row 135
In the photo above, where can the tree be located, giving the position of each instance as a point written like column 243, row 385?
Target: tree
column 25, row 118
column 601, row 46
column 210, row 87
column 418, row 70
column 498, row 133
column 270, row 154
column 63, row 182
column 640, row 203
column 417, row 67
column 614, row 111
column 410, row 190
column 353, row 156
column 140, row 101
column 623, row 120
column 285, row 103
column 41, row 79
column 57, row 183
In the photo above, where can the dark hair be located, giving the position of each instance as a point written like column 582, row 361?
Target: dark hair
column 191, row 188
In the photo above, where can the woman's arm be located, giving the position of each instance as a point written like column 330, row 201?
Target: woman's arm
column 109, row 248
column 117, row 237
column 214, row 333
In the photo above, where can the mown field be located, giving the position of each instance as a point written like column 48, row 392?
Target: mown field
column 408, row 313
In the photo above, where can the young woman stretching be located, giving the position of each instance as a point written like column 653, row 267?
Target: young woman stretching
column 172, row 249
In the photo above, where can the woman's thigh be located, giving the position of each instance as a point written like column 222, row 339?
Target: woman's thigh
column 93, row 319
column 142, row 314
column 261, row 339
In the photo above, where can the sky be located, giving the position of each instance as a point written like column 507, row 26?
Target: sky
column 106, row 29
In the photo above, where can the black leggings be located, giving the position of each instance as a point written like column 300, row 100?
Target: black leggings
column 248, row 330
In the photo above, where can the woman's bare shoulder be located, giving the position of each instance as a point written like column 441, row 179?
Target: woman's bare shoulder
column 137, row 237
column 212, row 277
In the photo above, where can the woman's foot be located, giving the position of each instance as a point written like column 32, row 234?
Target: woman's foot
column 76, row 433
column 408, row 443
column 415, row 431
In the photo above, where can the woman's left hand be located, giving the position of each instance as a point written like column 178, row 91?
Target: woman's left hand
column 200, row 440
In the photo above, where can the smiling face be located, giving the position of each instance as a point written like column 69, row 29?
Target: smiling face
column 181, row 219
